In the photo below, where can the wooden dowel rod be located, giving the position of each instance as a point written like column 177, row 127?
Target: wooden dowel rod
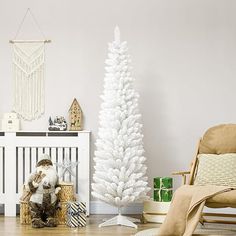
column 219, row 214
column 220, row 221
column 183, row 179
column 30, row 41
column 155, row 214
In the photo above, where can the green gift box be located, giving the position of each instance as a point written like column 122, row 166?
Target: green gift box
column 163, row 182
column 162, row 195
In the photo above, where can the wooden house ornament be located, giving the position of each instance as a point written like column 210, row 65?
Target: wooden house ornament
column 75, row 116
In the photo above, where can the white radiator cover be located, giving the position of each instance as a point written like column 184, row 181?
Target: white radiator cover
column 19, row 152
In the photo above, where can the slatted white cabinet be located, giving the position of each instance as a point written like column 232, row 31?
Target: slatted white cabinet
column 20, row 151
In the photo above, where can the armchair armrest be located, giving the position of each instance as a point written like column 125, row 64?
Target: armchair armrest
column 183, row 174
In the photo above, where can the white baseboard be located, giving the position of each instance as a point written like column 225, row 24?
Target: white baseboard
column 97, row 207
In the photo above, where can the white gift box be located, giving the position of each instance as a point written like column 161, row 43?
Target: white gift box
column 10, row 122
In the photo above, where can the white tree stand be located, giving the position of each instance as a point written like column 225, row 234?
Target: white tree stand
column 120, row 220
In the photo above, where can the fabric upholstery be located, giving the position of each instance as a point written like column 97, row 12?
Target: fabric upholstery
column 226, row 199
column 219, row 139
column 186, row 208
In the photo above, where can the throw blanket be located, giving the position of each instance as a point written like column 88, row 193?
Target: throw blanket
column 186, row 208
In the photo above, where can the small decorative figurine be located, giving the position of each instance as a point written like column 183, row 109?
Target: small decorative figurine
column 66, row 169
column 59, row 124
column 43, row 185
column 10, row 122
column 75, row 114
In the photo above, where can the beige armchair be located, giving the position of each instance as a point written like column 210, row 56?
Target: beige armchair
column 218, row 140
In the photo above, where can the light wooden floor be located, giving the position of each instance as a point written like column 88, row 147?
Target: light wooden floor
column 10, row 226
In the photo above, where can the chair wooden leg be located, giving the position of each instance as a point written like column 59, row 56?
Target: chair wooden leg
column 143, row 220
column 202, row 220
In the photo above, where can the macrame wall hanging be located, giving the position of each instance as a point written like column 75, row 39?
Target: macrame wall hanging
column 28, row 74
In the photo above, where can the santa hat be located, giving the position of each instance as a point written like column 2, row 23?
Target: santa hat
column 44, row 160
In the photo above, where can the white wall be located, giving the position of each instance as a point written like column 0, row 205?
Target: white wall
column 184, row 59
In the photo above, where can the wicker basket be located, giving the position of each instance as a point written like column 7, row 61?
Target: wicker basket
column 66, row 194
column 61, row 214
column 25, row 217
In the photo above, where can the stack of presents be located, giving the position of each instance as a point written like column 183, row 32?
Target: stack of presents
column 71, row 213
column 155, row 210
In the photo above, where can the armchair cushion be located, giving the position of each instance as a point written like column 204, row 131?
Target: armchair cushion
column 219, row 139
column 217, row 170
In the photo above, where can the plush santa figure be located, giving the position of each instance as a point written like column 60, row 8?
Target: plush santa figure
column 43, row 185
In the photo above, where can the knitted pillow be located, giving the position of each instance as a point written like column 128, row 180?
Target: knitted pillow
column 216, row 169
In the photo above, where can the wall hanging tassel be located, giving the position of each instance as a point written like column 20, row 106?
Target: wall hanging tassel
column 28, row 74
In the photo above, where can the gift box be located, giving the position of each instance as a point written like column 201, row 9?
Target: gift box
column 163, row 182
column 76, row 214
column 162, row 189
column 162, row 195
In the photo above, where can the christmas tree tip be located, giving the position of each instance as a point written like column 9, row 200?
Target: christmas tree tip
column 117, row 34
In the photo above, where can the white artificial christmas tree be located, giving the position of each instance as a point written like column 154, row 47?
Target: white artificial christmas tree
column 119, row 177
